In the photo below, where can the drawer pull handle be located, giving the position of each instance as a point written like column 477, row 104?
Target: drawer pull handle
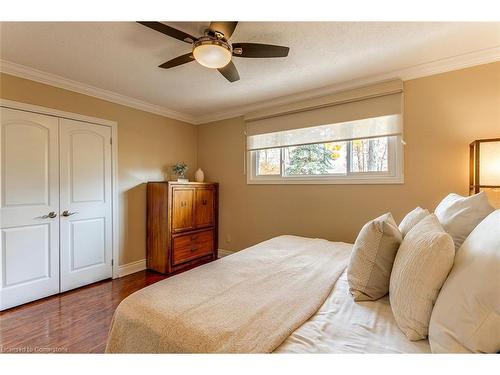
column 204, row 202
column 194, row 249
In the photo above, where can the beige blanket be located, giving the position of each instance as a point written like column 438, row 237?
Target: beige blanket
column 249, row 302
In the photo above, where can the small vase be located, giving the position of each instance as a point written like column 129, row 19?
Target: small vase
column 199, row 176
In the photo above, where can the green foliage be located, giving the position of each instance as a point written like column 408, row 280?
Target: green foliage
column 180, row 169
column 311, row 159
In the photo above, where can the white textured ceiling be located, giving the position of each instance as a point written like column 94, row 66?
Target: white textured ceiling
column 123, row 57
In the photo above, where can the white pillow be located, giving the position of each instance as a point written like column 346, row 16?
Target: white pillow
column 373, row 254
column 466, row 317
column 411, row 219
column 460, row 215
column 422, row 263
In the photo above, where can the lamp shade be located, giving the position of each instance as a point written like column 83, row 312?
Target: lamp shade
column 212, row 53
column 484, row 164
column 489, row 160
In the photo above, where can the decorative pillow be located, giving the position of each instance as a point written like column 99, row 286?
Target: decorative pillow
column 422, row 263
column 460, row 215
column 373, row 254
column 411, row 219
column 466, row 317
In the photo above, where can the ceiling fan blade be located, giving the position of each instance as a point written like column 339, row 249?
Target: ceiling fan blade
column 226, row 28
column 230, row 72
column 188, row 57
column 257, row 50
column 170, row 31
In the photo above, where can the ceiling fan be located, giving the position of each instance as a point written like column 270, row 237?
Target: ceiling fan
column 213, row 50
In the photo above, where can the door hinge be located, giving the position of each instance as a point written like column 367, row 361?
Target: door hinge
column 110, row 141
column 112, row 262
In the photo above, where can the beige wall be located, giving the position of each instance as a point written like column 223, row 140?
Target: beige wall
column 147, row 144
column 443, row 114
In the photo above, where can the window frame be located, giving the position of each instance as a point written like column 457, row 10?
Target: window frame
column 395, row 175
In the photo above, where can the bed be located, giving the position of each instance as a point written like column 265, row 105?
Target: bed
column 342, row 325
column 285, row 295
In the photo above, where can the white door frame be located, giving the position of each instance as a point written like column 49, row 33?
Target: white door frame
column 114, row 159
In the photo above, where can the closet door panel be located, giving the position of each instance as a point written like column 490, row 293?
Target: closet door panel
column 86, row 237
column 29, row 195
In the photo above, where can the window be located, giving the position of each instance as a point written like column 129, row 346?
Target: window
column 370, row 155
column 269, row 162
column 315, row 159
column 374, row 159
column 347, row 137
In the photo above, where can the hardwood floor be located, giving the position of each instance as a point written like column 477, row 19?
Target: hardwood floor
column 73, row 322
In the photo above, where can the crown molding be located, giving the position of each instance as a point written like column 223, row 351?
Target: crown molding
column 50, row 79
column 417, row 71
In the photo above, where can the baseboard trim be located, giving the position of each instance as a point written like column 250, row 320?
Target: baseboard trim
column 223, row 253
column 127, row 269
column 140, row 265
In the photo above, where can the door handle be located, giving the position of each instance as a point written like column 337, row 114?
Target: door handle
column 50, row 215
column 67, row 213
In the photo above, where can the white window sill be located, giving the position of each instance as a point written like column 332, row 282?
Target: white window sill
column 326, row 181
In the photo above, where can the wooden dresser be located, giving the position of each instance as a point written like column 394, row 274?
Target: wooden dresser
column 181, row 225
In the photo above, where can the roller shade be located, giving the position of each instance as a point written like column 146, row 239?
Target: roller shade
column 365, row 128
column 366, row 112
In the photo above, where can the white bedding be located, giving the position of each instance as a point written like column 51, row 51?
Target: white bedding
column 344, row 326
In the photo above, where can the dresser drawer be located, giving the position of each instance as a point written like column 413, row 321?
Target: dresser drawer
column 191, row 246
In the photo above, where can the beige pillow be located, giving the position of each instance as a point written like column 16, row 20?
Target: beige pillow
column 466, row 317
column 411, row 219
column 422, row 264
column 460, row 215
column 373, row 254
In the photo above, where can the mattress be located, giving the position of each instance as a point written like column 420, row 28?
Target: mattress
column 342, row 325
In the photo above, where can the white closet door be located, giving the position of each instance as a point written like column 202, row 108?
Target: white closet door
column 85, row 173
column 29, row 208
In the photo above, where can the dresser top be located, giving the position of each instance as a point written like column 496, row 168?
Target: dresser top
column 183, row 183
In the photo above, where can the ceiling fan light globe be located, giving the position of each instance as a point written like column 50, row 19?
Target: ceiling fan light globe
column 212, row 55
